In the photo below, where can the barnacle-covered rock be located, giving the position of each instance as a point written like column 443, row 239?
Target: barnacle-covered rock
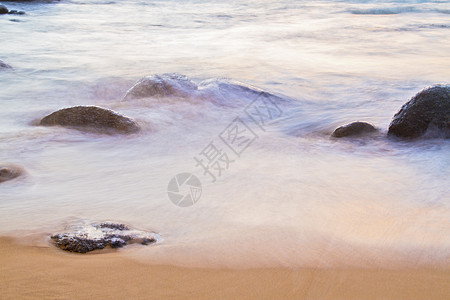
column 94, row 236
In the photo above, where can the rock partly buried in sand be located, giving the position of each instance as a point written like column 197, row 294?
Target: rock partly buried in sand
column 91, row 118
column 426, row 114
column 10, row 172
column 161, row 85
column 354, row 129
column 89, row 237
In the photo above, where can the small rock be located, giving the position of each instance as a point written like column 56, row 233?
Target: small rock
column 426, row 114
column 3, row 10
column 16, row 12
column 89, row 237
column 91, row 118
column 354, row 129
column 10, row 172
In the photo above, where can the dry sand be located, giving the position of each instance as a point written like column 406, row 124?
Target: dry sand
column 29, row 272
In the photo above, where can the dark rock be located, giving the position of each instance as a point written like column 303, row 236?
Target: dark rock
column 354, row 129
column 10, row 172
column 91, row 118
column 426, row 114
column 3, row 10
column 16, row 12
column 161, row 86
column 114, row 226
column 89, row 237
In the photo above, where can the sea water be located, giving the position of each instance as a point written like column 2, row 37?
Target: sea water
column 293, row 196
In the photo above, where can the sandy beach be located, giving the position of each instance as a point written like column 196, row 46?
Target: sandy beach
column 29, row 272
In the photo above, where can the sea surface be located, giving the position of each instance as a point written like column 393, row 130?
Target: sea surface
column 291, row 195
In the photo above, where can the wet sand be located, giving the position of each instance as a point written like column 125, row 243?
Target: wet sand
column 31, row 272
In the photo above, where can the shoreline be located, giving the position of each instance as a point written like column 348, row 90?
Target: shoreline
column 49, row 273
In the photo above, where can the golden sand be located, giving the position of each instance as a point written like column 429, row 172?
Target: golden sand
column 29, row 272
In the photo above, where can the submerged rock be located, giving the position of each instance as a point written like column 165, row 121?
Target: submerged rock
column 10, row 172
column 354, row 129
column 224, row 91
column 4, row 65
column 161, row 86
column 426, row 114
column 91, row 118
column 219, row 91
column 90, row 237
column 3, row 10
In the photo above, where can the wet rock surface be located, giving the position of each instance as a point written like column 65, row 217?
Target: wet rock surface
column 354, row 129
column 91, row 118
column 95, row 236
column 3, row 10
column 10, row 172
column 162, row 85
column 426, row 114
column 16, row 12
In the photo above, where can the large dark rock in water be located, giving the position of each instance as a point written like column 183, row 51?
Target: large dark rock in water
column 354, row 129
column 10, row 172
column 89, row 237
column 426, row 114
column 91, row 118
